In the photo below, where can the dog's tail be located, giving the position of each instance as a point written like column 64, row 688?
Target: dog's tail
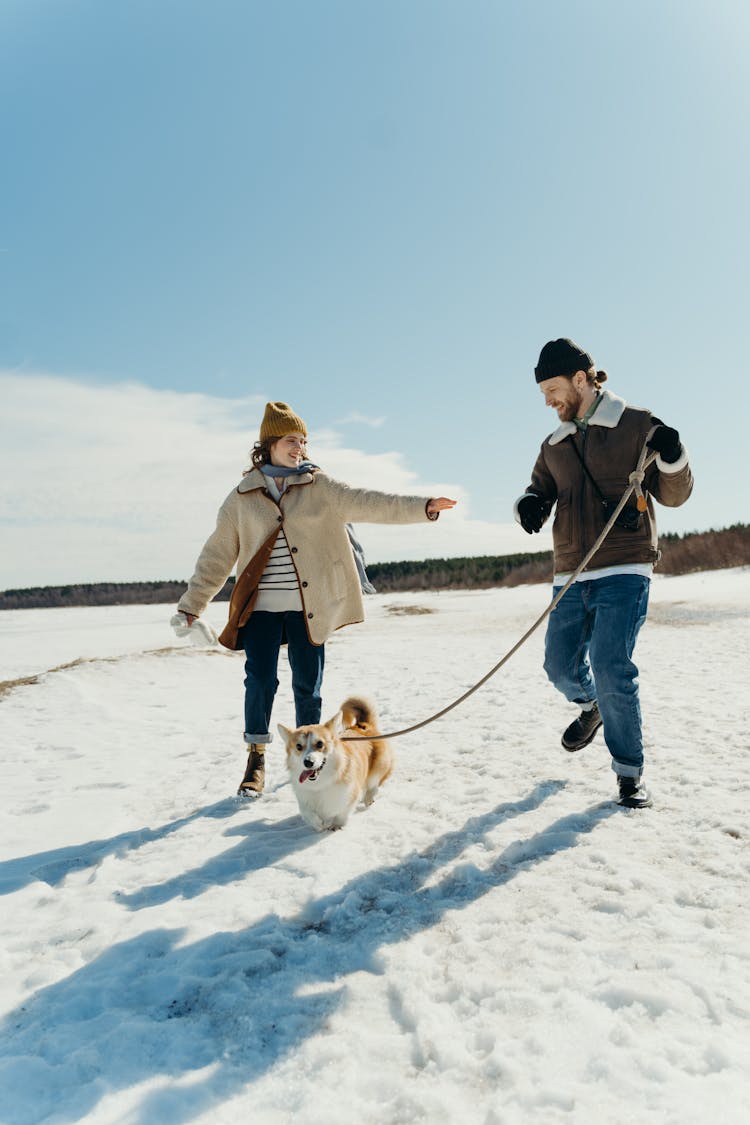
column 358, row 712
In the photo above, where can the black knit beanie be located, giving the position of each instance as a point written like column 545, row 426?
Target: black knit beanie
column 561, row 357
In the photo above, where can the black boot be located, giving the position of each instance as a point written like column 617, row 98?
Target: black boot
column 582, row 730
column 255, row 773
column 633, row 793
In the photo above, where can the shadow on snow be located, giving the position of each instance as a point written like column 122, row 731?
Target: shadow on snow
column 271, row 842
column 52, row 867
column 236, row 1003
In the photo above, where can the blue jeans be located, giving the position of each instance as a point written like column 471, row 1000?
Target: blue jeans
column 590, row 640
column 261, row 639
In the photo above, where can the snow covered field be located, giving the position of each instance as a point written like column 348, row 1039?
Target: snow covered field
column 493, row 942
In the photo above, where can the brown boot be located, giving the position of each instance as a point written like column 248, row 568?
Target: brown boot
column 255, row 773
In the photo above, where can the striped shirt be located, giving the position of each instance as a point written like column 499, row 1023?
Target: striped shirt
column 278, row 589
column 279, row 573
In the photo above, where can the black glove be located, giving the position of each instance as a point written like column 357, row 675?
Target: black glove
column 666, row 442
column 532, row 512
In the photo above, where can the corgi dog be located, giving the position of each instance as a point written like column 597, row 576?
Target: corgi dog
column 329, row 776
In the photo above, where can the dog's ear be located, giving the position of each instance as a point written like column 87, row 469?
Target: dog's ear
column 336, row 724
column 285, row 733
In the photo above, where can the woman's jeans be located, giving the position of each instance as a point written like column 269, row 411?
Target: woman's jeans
column 591, row 635
column 262, row 638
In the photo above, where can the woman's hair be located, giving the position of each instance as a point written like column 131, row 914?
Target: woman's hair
column 595, row 378
column 260, row 454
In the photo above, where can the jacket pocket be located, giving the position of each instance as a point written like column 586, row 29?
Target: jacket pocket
column 338, row 582
column 562, row 528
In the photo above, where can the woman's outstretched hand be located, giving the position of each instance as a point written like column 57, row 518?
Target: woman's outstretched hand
column 441, row 504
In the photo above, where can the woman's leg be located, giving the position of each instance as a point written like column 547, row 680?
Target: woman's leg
column 307, row 663
column 261, row 639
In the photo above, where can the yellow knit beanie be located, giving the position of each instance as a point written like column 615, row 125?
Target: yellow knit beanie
column 280, row 419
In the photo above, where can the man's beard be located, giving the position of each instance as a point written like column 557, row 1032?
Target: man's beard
column 569, row 409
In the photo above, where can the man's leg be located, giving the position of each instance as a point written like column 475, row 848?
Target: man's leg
column 566, row 646
column 620, row 604
column 567, row 664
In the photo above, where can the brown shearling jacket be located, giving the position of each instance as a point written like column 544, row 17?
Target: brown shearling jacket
column 610, row 447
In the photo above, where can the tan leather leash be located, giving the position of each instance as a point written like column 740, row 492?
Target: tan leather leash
column 636, row 481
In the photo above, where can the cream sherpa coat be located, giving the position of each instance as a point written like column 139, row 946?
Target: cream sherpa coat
column 313, row 512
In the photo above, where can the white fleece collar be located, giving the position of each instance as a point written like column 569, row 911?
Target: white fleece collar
column 256, row 479
column 608, row 413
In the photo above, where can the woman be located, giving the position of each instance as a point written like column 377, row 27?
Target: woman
column 285, row 528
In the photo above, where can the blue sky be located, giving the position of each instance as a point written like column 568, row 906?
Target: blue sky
column 376, row 211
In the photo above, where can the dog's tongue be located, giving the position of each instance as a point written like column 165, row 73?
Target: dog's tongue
column 305, row 774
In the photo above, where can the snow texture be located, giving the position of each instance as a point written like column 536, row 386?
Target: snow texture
column 495, row 941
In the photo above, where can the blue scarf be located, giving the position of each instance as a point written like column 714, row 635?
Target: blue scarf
column 283, row 471
column 357, row 550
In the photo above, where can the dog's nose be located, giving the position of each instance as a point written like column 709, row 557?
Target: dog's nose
column 308, row 763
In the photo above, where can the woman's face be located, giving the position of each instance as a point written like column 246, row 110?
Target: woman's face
column 289, row 450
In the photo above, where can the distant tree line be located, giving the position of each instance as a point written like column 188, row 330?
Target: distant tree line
column 705, row 550
column 681, row 554
column 461, row 573
column 101, row 593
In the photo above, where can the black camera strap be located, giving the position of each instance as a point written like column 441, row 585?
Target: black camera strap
column 585, row 467
column 629, row 518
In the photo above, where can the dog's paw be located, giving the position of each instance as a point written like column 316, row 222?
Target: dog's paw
column 315, row 823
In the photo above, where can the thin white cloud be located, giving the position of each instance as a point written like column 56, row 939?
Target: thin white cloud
column 122, row 483
column 355, row 418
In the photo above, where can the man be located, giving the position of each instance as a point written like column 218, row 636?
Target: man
column 583, row 468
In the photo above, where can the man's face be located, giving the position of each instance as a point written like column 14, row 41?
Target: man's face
column 562, row 395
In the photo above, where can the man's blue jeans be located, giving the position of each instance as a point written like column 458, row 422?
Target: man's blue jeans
column 262, row 638
column 590, row 640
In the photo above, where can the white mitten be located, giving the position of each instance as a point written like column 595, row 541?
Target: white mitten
column 199, row 633
column 180, row 624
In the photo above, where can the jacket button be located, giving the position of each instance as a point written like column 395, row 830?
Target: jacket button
column 280, row 519
column 310, row 615
column 294, row 550
column 304, row 584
